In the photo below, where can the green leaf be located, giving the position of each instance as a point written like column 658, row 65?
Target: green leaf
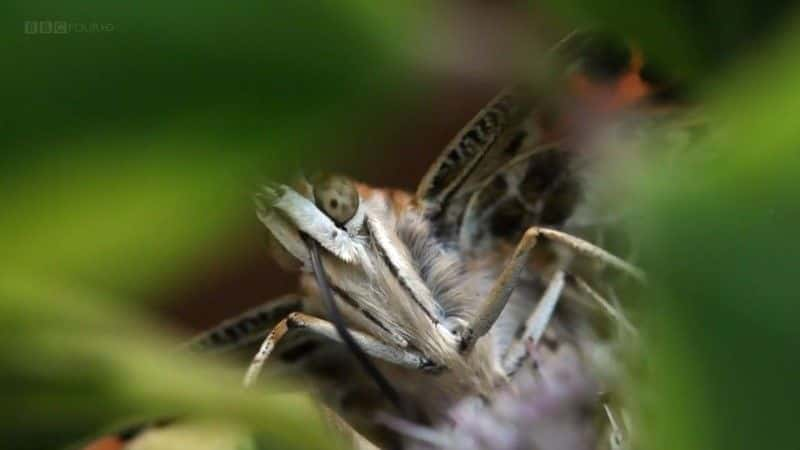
column 721, row 248
column 78, row 363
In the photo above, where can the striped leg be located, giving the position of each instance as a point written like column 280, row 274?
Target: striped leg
column 537, row 323
column 320, row 327
column 501, row 291
column 534, row 326
column 615, row 437
column 246, row 328
column 607, row 307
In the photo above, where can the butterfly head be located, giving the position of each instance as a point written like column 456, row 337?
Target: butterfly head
column 325, row 208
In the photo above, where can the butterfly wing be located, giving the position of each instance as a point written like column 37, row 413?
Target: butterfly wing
column 518, row 162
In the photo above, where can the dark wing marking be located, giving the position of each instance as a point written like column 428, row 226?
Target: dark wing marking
column 489, row 140
column 462, row 157
column 485, row 166
column 518, row 162
column 249, row 327
column 294, row 355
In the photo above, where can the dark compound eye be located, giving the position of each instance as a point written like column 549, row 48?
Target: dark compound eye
column 603, row 57
column 336, row 196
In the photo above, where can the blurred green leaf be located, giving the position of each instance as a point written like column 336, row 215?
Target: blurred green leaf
column 78, row 363
column 254, row 65
column 128, row 151
column 126, row 154
column 721, row 248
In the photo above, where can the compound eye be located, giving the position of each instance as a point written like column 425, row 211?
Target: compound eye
column 336, row 196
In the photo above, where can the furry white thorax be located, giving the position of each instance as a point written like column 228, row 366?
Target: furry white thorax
column 397, row 255
column 403, row 291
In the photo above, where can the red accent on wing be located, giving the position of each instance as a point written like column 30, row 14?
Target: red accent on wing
column 610, row 97
column 106, row 443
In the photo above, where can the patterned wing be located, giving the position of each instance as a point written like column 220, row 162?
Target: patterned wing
column 518, row 163
column 247, row 328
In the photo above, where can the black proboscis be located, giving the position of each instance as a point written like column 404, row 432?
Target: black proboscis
column 338, row 322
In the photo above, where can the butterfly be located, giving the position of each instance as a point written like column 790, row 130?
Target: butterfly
column 415, row 306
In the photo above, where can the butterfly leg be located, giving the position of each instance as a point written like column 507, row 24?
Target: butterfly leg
column 303, row 322
column 537, row 322
column 535, row 325
column 501, row 291
column 616, row 438
column 604, row 304
column 589, row 250
column 246, row 328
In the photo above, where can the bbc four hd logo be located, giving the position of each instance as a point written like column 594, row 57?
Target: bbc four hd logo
column 64, row 27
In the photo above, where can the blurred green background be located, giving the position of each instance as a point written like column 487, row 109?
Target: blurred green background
column 133, row 138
